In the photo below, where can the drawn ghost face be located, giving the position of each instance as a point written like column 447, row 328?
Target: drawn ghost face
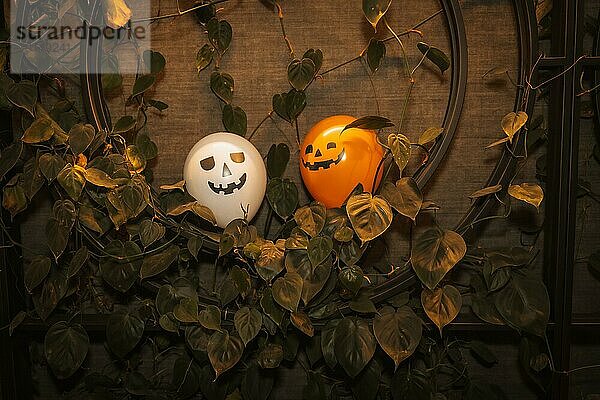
column 226, row 173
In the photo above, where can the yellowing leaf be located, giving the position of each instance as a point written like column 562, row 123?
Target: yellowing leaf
column 528, row 192
column 100, row 178
column 430, row 135
column 512, row 122
column 175, row 186
column 441, row 304
column 400, row 147
column 370, row 216
column 405, row 196
column 497, row 142
column 486, row 191
column 374, row 10
column 39, row 131
column 117, row 13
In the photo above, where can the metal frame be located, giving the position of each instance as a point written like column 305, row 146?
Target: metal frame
column 560, row 207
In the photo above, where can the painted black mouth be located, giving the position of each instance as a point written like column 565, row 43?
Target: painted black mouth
column 230, row 186
column 323, row 164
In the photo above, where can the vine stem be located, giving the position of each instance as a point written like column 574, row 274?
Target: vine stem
column 179, row 13
column 260, row 124
column 285, row 37
column 404, row 33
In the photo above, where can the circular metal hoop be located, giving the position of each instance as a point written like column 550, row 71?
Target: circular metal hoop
column 98, row 113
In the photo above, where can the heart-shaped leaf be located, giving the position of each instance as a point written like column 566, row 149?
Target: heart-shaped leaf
column 40, row 130
column 235, row 119
column 398, row 333
column 435, row 253
column 400, row 147
column 319, row 249
column 270, row 307
column 301, row 73
column 282, row 195
column 150, row 231
column 124, row 329
column 316, row 55
column 270, row 260
column 277, row 160
column 219, row 34
column 404, row 197
column 210, row 318
column 287, row 290
column 370, row 216
column 441, row 305
column 289, row 105
column 314, row 278
column 66, row 347
column 301, row 321
column 23, row 94
column 121, row 270
column 157, row 263
column 512, row 122
column 35, row 271
column 248, row 322
column 430, row 135
column 354, row 345
column 80, row 137
column 222, row 85
column 311, row 218
column 72, row 179
column 224, row 351
column 11, row 154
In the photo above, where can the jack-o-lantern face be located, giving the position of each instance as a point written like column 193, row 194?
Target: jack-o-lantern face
column 226, row 173
column 332, row 163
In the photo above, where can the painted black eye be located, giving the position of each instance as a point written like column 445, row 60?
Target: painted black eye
column 331, row 145
column 237, row 157
column 309, row 149
column 208, row 163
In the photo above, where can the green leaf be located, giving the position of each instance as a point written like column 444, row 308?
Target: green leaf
column 270, row 308
column 370, row 216
column 371, row 122
column 57, row 235
column 277, row 160
column 366, row 384
column 235, row 120
column 398, row 333
column 14, row 198
column 282, row 195
column 186, row 310
column 524, row 304
column 72, row 179
column 9, row 157
column 187, row 378
column 124, row 124
column 78, row 261
column 159, row 105
column 270, row 356
column 66, row 347
column 314, row 277
column 121, row 270
column 39, row 131
column 248, row 322
column 287, row 291
column 124, row 329
column 270, row 260
column 52, row 291
column 225, row 244
column 155, row 62
column 400, row 147
column 196, row 338
column 210, row 318
column 316, row 55
column 289, row 105
column 435, row 55
column 354, row 345
column 351, row 278
column 50, row 165
column 435, row 253
column 256, row 384
column 328, row 343
column 224, row 351
column 311, row 218
column 157, row 263
column 219, row 34
column 35, row 271
column 146, row 146
column 430, row 135
column 80, row 137
column 319, row 249
column 150, row 231
column 222, row 85
column 404, row 197
column 204, row 57
column 301, row 73
column 142, row 84
column 375, row 54
column 23, row 94
column 441, row 305
column 374, row 10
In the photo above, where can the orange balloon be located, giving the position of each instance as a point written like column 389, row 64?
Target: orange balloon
column 333, row 164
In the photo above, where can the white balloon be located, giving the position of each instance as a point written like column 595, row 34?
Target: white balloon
column 226, row 173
